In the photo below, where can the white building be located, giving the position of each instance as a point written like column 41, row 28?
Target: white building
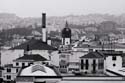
column 74, row 61
column 101, row 62
column 11, row 70
column 38, row 73
column 92, row 63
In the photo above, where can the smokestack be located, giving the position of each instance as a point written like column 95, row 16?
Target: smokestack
column 44, row 26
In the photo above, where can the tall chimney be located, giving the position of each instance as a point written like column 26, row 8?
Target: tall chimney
column 44, row 26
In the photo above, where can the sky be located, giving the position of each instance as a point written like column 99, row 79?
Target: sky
column 34, row 8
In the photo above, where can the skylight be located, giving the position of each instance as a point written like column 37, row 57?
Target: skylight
column 38, row 68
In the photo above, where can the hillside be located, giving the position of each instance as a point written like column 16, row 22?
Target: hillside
column 8, row 21
column 10, row 24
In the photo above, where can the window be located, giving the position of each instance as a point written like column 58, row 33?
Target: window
column 63, row 56
column 8, row 77
column 94, row 62
column 86, row 72
column 30, row 63
column 17, row 64
column 113, row 57
column 87, row 64
column 23, row 64
column 16, row 70
column 100, row 64
column 82, row 64
column 114, row 65
column 90, row 50
column 8, row 70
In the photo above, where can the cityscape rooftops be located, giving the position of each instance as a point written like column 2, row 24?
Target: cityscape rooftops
column 34, row 44
column 33, row 57
column 93, row 55
column 106, row 46
column 102, row 54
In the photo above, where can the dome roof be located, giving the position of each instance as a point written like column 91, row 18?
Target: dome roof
column 38, row 70
column 66, row 32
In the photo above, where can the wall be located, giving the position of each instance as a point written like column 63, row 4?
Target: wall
column 118, row 62
column 55, row 58
column 43, row 53
column 90, row 67
column 74, row 59
column 7, row 56
column 13, row 73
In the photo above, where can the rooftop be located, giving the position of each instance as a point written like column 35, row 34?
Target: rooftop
column 102, row 54
column 109, row 46
column 34, row 44
column 93, row 55
column 34, row 57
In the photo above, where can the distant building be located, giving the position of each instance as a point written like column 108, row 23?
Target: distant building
column 92, row 62
column 35, row 46
column 10, row 72
column 101, row 62
column 64, row 55
column 64, row 49
column 66, row 35
column 94, row 47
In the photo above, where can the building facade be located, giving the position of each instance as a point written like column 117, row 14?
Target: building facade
column 38, row 73
column 101, row 62
column 92, row 63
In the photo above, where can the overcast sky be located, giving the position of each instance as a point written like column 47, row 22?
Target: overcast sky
column 31, row 8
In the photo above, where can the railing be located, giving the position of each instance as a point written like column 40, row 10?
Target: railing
column 93, row 78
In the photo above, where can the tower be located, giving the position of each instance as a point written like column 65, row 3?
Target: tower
column 44, row 27
column 66, row 35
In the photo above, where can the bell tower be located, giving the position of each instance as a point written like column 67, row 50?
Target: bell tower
column 66, row 35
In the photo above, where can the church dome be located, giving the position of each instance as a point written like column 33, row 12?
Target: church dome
column 66, row 32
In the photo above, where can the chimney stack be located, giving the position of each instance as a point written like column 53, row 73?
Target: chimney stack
column 44, row 27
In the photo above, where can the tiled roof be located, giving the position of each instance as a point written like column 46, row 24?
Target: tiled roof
column 93, row 55
column 112, row 53
column 102, row 54
column 34, row 44
column 34, row 57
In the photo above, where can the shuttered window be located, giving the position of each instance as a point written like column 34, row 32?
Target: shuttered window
column 87, row 64
column 82, row 64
